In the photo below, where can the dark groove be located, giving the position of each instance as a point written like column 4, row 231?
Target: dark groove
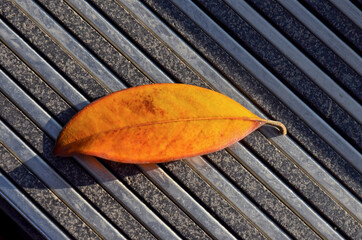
column 65, row 178
column 88, row 49
column 331, row 27
column 236, row 185
column 279, row 76
column 197, row 199
column 49, row 61
column 295, row 190
column 308, row 55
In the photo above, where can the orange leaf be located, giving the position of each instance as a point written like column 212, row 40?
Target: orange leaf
column 157, row 123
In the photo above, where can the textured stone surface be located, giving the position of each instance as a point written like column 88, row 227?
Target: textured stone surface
column 261, row 195
column 280, row 66
column 315, row 49
column 44, row 197
column 303, row 185
column 219, row 207
column 72, row 172
column 51, row 51
column 260, row 95
column 157, row 51
column 30, row 81
column 96, row 44
column 157, row 200
column 340, row 23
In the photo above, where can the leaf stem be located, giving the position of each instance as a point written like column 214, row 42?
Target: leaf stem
column 276, row 124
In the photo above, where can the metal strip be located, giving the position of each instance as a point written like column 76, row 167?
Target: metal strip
column 234, row 196
column 40, row 66
column 119, row 41
column 28, row 210
column 263, row 75
column 304, row 210
column 284, row 142
column 112, row 33
column 349, row 10
column 323, row 33
column 297, row 58
column 130, row 201
column 199, row 214
column 94, row 167
column 57, row 184
column 72, row 46
column 51, row 127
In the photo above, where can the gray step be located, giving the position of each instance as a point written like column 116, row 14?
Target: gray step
column 56, row 57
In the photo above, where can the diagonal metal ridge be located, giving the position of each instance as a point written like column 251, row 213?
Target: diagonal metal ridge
column 40, row 66
column 118, row 40
column 288, row 146
column 94, row 167
column 204, row 221
column 328, row 134
column 298, row 58
column 350, row 10
column 57, row 184
column 71, row 46
column 323, row 33
column 28, row 210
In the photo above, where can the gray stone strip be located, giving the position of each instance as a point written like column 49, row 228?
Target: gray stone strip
column 350, row 10
column 29, row 211
column 40, row 66
column 301, row 208
column 57, row 184
column 297, row 58
column 120, row 42
column 157, row 175
column 72, row 46
column 190, row 205
column 234, row 196
column 324, row 34
column 111, row 33
column 104, row 33
column 94, row 167
column 320, row 176
column 316, row 123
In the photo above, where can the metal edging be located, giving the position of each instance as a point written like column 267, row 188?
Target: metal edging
column 349, row 10
column 57, row 184
column 72, row 46
column 327, row 133
column 298, row 58
column 28, row 210
column 284, row 142
column 324, row 34
column 138, row 59
column 94, row 167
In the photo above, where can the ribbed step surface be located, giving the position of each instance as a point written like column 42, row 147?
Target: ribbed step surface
column 298, row 62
